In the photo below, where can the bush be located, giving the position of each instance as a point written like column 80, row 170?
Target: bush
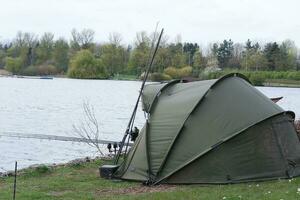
column 13, row 65
column 185, row 71
column 41, row 70
column 172, row 72
column 42, row 169
column 257, row 79
column 178, row 73
column 160, row 77
column 85, row 65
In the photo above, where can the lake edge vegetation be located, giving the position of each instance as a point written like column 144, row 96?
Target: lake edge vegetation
column 82, row 57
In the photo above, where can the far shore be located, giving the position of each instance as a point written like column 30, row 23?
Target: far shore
column 269, row 83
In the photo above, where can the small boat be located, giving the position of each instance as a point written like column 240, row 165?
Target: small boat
column 35, row 77
column 46, row 77
column 276, row 99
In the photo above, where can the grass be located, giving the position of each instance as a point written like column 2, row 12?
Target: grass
column 83, row 182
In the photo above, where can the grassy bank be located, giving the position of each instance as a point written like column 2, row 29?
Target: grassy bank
column 260, row 78
column 282, row 83
column 83, row 182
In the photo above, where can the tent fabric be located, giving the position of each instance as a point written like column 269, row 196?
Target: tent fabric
column 244, row 157
column 189, row 123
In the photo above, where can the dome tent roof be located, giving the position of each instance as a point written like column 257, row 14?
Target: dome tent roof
column 189, row 120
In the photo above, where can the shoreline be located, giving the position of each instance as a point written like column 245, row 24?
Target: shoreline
column 83, row 181
column 51, row 166
column 283, row 85
column 265, row 84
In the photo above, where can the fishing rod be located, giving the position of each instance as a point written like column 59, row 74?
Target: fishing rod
column 155, row 35
column 138, row 99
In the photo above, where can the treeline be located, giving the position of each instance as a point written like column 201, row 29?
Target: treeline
column 83, row 57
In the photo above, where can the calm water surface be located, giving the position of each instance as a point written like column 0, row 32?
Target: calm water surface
column 35, row 106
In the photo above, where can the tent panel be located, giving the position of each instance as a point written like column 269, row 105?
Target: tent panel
column 167, row 116
column 135, row 167
column 149, row 94
column 251, row 155
column 230, row 107
column 151, row 91
column 289, row 143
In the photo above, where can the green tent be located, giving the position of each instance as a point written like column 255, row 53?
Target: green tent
column 215, row 131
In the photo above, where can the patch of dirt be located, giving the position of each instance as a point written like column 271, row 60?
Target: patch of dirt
column 4, row 72
column 58, row 193
column 136, row 190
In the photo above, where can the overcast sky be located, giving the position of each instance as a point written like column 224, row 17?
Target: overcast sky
column 199, row 21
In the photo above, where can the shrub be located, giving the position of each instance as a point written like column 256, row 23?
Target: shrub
column 185, row 71
column 85, row 65
column 172, row 72
column 257, row 79
column 178, row 73
column 13, row 65
column 160, row 77
column 42, row 169
column 41, row 70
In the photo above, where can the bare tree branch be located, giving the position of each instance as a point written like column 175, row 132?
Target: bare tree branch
column 89, row 128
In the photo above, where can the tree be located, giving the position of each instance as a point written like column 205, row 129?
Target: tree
column 236, row 58
column 23, row 47
column 175, row 54
column 60, row 54
column 13, row 65
column 85, row 65
column 254, row 61
column 161, row 60
column 288, row 56
column 211, row 56
column 225, row 53
column 190, row 49
column 252, row 58
column 115, row 38
column 272, row 53
column 114, row 58
column 82, row 40
column 140, row 55
column 200, row 63
column 45, row 48
column 2, row 55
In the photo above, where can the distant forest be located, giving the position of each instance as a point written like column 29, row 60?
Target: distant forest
column 83, row 57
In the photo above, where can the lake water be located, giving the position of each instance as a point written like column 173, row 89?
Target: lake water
column 35, row 106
